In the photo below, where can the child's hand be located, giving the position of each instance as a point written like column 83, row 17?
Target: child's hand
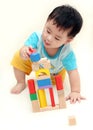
column 74, row 97
column 25, row 52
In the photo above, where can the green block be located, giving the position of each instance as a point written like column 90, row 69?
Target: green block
column 33, row 96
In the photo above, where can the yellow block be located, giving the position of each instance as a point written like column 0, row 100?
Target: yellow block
column 42, row 72
column 42, row 98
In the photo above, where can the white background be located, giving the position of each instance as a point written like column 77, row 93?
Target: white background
column 18, row 19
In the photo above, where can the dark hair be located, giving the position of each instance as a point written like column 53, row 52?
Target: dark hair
column 67, row 17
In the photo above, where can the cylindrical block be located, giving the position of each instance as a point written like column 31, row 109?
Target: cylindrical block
column 42, row 98
column 52, row 97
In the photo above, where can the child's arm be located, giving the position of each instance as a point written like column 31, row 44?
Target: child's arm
column 74, row 79
column 75, row 87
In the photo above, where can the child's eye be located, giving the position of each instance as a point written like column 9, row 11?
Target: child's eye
column 57, row 39
column 48, row 31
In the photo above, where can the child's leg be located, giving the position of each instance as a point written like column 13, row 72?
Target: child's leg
column 20, row 77
column 21, row 68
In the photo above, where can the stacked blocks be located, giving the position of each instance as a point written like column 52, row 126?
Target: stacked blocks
column 42, row 82
column 32, row 90
column 33, row 95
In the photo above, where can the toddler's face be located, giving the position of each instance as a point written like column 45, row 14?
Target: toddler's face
column 53, row 37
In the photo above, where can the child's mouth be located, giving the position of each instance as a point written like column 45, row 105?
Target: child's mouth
column 47, row 44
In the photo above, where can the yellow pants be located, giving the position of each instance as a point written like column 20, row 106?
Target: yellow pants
column 25, row 66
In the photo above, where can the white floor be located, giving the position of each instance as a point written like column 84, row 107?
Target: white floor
column 15, row 110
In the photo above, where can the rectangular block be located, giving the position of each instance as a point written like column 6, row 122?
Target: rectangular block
column 72, row 120
column 33, row 96
column 49, row 108
column 52, row 97
column 42, row 98
column 61, row 98
column 44, row 82
column 45, row 87
column 31, row 86
column 59, row 82
column 35, row 106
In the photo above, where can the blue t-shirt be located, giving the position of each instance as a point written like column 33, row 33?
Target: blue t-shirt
column 64, row 58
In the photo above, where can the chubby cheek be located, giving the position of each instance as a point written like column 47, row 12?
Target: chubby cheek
column 44, row 36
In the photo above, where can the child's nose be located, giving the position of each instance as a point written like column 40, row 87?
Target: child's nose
column 49, row 38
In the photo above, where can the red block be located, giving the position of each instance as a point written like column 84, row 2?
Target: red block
column 59, row 82
column 32, row 50
column 52, row 97
column 31, row 86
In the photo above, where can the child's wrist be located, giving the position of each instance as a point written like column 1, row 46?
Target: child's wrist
column 75, row 91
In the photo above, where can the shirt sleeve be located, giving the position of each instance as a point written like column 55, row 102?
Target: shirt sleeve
column 32, row 40
column 69, row 62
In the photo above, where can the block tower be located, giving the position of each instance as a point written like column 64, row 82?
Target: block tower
column 43, row 81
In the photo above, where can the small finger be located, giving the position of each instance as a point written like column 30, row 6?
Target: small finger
column 73, row 100
column 83, row 98
column 67, row 98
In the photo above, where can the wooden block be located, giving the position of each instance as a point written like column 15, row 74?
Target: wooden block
column 49, row 108
column 35, row 66
column 45, row 63
column 72, row 120
column 33, row 96
column 31, row 86
column 61, row 97
column 42, row 71
column 59, row 83
column 32, row 50
column 45, row 87
column 42, row 98
column 35, row 57
column 35, row 106
column 52, row 97
column 44, row 82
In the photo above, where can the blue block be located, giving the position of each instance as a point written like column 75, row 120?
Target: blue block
column 35, row 57
column 44, row 82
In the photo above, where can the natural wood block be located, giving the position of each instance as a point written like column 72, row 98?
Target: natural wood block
column 35, row 106
column 61, row 97
column 45, row 63
column 49, row 108
column 35, row 66
column 72, row 120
